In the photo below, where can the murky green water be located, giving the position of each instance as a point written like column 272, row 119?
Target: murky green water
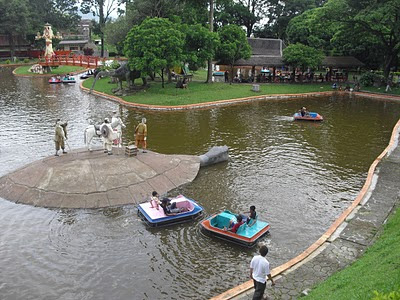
column 300, row 176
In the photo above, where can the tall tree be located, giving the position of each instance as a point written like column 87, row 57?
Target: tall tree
column 239, row 13
column 233, row 46
column 200, row 45
column 302, row 56
column 14, row 20
column 376, row 23
column 103, row 9
column 189, row 11
column 154, row 46
column 312, row 29
column 61, row 14
column 254, row 12
column 115, row 32
column 280, row 12
column 211, row 24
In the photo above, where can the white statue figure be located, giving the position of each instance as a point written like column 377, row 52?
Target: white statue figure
column 108, row 135
column 48, row 36
column 117, row 122
column 95, row 131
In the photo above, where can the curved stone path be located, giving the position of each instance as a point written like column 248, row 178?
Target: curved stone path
column 83, row 179
column 347, row 238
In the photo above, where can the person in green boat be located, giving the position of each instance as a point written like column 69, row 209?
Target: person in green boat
column 234, row 226
column 252, row 217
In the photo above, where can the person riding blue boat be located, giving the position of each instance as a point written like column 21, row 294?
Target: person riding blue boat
column 252, row 217
column 303, row 111
column 171, row 209
column 234, row 226
column 154, row 200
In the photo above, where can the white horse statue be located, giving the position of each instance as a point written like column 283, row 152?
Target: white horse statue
column 95, row 131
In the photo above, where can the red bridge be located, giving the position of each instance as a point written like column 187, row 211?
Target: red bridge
column 70, row 60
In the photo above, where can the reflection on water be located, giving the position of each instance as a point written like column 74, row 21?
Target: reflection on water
column 299, row 175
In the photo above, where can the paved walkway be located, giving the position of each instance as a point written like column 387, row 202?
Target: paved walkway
column 83, row 179
column 346, row 240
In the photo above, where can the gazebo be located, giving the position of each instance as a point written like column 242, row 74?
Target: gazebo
column 337, row 64
column 267, row 59
column 266, row 54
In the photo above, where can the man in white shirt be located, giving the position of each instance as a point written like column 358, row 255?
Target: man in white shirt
column 259, row 270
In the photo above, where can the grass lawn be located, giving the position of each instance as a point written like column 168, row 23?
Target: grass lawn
column 377, row 270
column 200, row 75
column 372, row 89
column 23, row 70
column 199, row 92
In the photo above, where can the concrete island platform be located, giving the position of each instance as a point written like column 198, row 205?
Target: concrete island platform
column 83, row 179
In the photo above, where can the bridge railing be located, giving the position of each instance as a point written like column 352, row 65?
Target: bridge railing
column 70, row 60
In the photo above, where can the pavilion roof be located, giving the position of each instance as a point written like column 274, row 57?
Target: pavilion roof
column 341, row 61
column 261, row 60
column 268, row 53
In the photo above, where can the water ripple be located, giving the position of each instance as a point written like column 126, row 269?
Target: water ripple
column 299, row 175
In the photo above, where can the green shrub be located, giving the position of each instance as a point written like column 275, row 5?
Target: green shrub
column 8, row 61
column 372, row 79
column 367, row 79
column 393, row 295
column 26, row 60
column 115, row 64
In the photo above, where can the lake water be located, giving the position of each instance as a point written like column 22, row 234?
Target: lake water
column 299, row 175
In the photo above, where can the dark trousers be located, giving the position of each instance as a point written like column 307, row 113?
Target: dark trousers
column 259, row 290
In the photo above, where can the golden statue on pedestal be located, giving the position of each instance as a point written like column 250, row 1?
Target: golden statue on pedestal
column 48, row 36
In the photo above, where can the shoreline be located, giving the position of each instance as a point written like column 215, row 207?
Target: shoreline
column 226, row 102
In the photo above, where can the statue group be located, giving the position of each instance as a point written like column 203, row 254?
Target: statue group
column 122, row 73
column 109, row 131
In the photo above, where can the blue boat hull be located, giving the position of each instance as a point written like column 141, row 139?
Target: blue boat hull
column 245, row 236
column 170, row 220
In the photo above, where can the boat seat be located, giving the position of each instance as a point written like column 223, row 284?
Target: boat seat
column 222, row 220
column 255, row 221
column 242, row 228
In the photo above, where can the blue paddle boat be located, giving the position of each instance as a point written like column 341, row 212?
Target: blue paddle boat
column 247, row 236
column 155, row 217
column 68, row 79
column 309, row 116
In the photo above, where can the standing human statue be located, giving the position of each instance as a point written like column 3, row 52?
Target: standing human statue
column 259, row 271
column 117, row 120
column 141, row 135
column 60, row 135
column 106, row 135
column 48, row 36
